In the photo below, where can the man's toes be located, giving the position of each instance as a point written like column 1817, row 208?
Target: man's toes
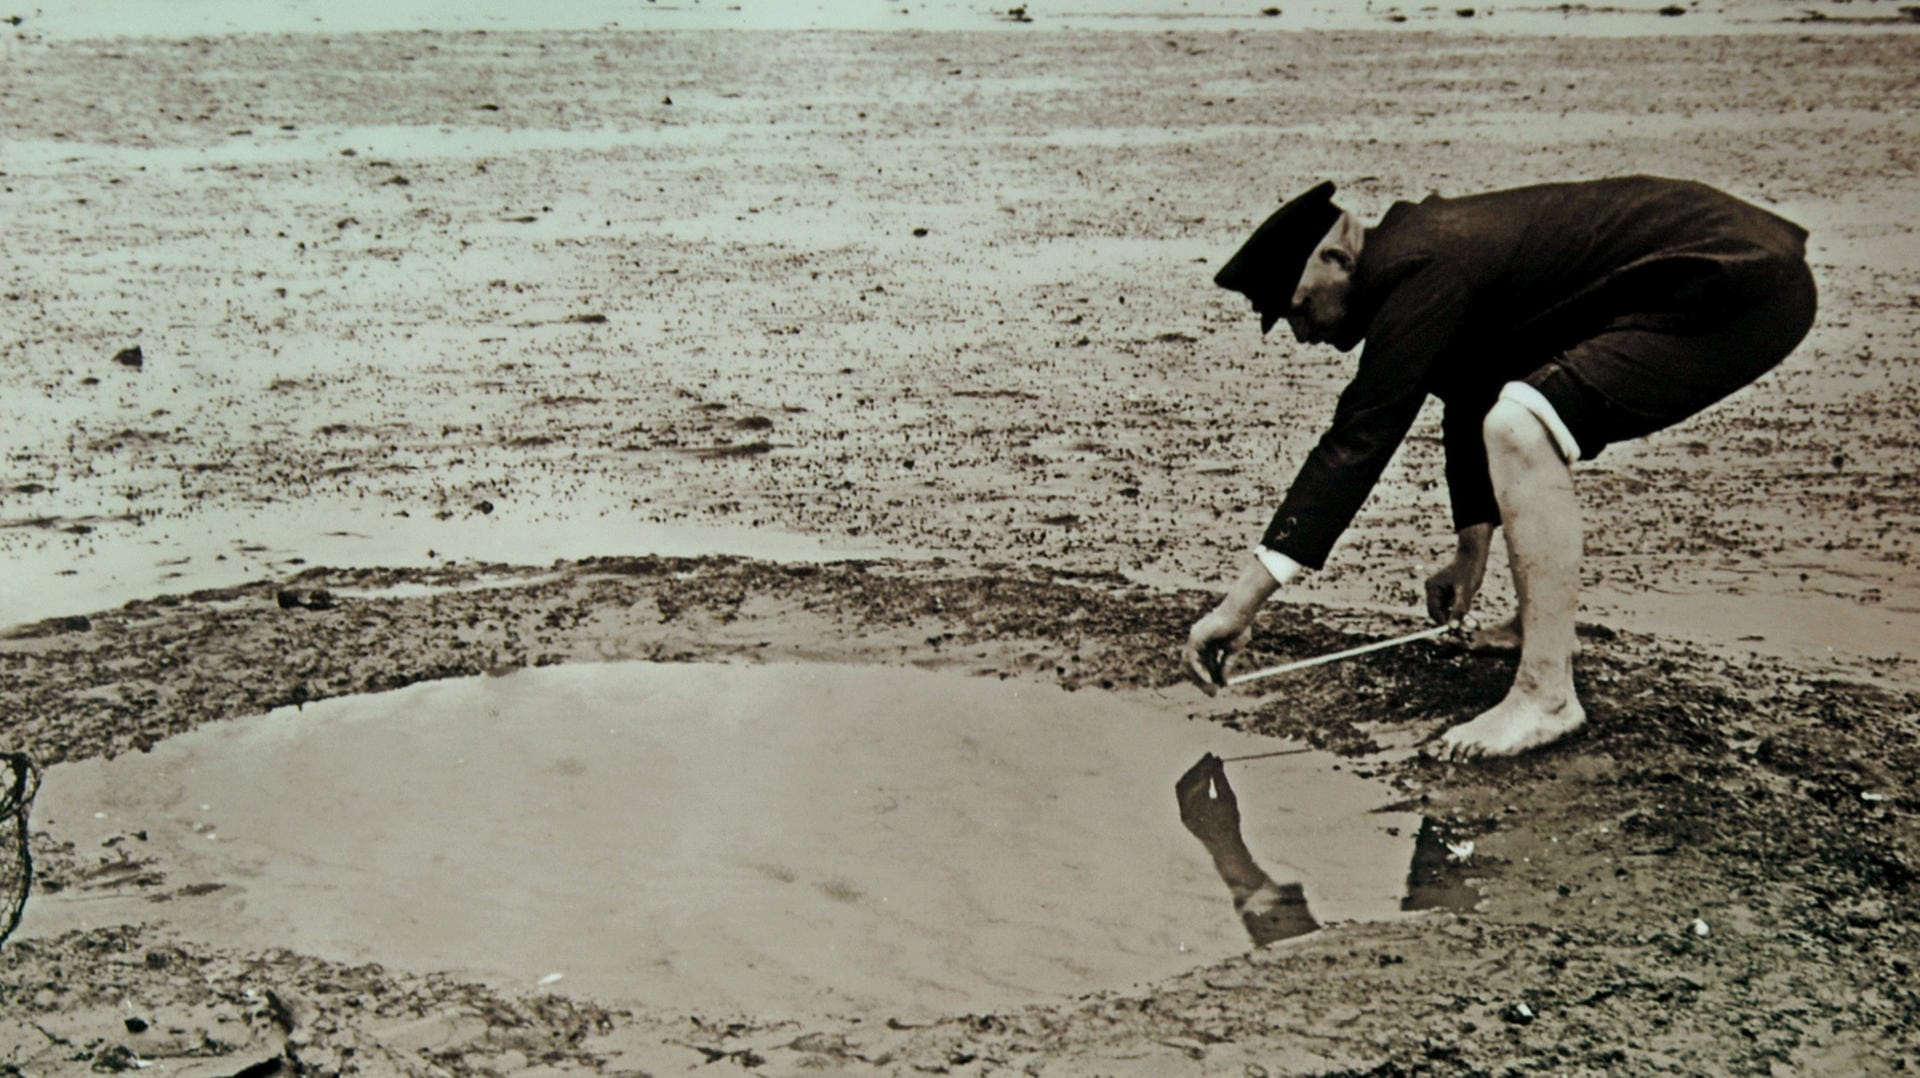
column 1453, row 748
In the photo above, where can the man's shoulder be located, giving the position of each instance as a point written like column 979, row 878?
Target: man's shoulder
column 1437, row 233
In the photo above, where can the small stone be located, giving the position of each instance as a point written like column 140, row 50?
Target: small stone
column 131, row 357
column 136, row 1025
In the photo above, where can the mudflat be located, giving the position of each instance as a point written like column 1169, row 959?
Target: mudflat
column 338, row 362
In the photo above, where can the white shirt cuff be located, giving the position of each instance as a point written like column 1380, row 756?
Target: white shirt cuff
column 1282, row 568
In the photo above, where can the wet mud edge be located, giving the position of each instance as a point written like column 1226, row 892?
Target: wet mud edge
column 1719, row 872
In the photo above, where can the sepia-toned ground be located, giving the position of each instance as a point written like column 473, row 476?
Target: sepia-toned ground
column 418, row 312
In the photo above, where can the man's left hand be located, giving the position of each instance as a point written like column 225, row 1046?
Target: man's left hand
column 1450, row 591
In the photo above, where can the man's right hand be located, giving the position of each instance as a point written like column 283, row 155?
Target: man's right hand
column 1225, row 630
column 1214, row 640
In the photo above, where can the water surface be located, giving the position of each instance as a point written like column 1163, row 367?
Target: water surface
column 778, row 839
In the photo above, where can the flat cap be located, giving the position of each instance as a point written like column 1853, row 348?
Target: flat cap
column 1267, row 268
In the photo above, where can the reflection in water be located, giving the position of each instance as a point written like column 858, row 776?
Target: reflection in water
column 1269, row 909
column 1428, row 885
column 1272, row 910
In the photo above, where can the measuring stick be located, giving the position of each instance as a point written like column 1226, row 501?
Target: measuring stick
column 1264, row 755
column 1379, row 645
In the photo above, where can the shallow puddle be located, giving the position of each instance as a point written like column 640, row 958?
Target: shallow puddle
column 782, row 839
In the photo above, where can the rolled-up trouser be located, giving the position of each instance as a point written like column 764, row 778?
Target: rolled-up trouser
column 1627, row 382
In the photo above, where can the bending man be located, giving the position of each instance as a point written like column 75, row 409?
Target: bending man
column 1550, row 321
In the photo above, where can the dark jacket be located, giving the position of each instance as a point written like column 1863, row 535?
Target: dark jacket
column 1461, row 295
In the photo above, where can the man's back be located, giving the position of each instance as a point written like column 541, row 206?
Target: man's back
column 1529, row 261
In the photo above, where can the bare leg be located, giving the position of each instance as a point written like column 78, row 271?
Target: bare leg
column 1542, row 522
column 1502, row 639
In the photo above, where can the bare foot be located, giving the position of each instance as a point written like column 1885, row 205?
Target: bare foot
column 1501, row 639
column 1513, row 726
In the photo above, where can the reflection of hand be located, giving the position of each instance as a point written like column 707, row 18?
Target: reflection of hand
column 1207, row 804
column 1213, row 641
column 1275, row 912
column 1208, row 807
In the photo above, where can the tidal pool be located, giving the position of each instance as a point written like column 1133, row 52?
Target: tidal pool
column 778, row 839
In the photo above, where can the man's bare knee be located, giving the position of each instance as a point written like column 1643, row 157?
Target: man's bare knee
column 1512, row 431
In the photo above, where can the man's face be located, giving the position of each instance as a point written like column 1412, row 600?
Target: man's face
column 1318, row 312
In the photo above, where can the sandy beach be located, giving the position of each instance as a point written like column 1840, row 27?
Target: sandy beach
column 364, row 351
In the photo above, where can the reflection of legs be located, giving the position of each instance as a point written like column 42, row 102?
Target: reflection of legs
column 1542, row 522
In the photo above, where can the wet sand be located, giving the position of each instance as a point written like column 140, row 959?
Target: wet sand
column 406, row 299
column 420, row 287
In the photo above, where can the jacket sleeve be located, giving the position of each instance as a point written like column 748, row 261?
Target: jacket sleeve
column 1412, row 329
column 1469, row 483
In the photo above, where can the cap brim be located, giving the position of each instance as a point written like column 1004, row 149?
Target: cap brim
column 1267, row 268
